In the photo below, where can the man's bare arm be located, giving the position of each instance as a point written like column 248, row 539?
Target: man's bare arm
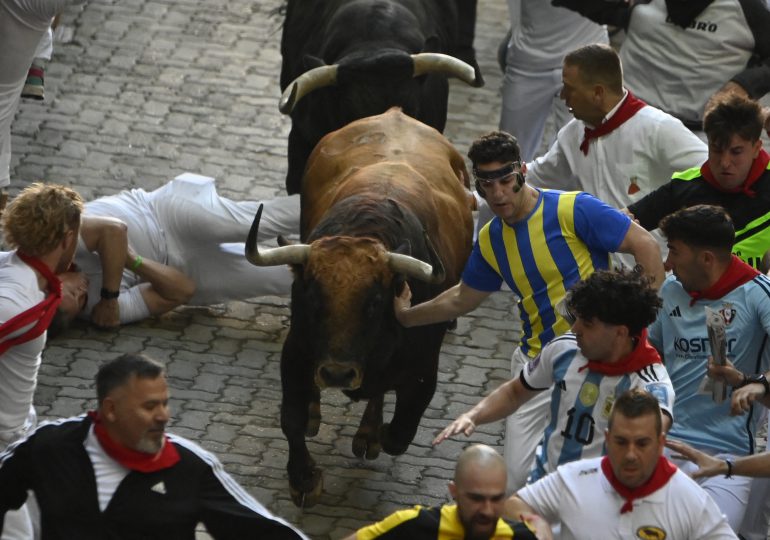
column 449, row 305
column 108, row 237
column 165, row 287
column 646, row 251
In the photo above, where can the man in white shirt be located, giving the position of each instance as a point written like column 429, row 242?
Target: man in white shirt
column 617, row 148
column 541, row 35
column 144, row 253
column 41, row 225
column 632, row 492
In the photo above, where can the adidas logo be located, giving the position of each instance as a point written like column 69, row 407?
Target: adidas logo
column 675, row 312
column 160, row 487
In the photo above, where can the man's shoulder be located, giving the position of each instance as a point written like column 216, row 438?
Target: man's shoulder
column 582, row 467
column 559, row 345
column 59, row 432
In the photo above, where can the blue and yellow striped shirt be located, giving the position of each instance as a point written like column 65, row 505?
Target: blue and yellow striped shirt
column 566, row 237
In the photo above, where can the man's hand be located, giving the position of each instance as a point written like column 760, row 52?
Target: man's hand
column 743, row 398
column 106, row 313
column 727, row 373
column 707, row 465
column 537, row 525
column 402, row 302
column 463, row 424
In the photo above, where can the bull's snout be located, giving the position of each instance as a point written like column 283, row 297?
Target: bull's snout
column 338, row 375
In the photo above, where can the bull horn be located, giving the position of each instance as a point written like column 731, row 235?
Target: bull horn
column 443, row 63
column 304, row 84
column 295, row 254
column 409, row 266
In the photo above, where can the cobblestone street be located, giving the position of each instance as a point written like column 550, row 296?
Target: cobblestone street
column 146, row 90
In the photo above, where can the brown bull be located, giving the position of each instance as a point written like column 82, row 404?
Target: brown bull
column 384, row 200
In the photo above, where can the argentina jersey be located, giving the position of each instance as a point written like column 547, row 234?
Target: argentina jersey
column 581, row 401
column 680, row 335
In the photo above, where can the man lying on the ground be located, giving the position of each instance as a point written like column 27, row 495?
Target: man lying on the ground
column 144, row 253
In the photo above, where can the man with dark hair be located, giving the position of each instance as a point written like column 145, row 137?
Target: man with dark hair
column 116, row 473
column 706, row 275
column 617, row 148
column 633, row 491
column 736, row 176
column 540, row 243
column 606, row 353
column 41, row 224
column 478, row 489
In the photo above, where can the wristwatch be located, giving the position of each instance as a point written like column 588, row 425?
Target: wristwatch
column 759, row 378
column 108, row 294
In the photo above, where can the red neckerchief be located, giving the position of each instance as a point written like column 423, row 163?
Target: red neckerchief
column 40, row 314
column 630, row 106
column 642, row 356
column 758, row 168
column 664, row 470
column 167, row 457
column 736, row 275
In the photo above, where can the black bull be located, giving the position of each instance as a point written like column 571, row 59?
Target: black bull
column 384, row 199
column 358, row 58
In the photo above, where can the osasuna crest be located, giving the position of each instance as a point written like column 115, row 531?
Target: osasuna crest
column 728, row 313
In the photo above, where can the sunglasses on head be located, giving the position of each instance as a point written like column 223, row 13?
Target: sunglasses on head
column 504, row 176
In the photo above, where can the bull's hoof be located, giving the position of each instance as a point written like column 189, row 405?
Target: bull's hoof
column 313, row 419
column 366, row 445
column 391, row 446
column 306, row 499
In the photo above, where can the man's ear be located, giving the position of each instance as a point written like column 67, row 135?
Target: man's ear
column 70, row 237
column 107, row 409
column 599, row 92
column 453, row 489
column 756, row 148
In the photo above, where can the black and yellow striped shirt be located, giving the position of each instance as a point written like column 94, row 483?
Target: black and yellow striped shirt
column 430, row 523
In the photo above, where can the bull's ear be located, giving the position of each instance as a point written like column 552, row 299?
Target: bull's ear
column 311, row 62
column 404, row 249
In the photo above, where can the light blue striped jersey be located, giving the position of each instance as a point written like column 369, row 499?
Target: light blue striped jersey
column 566, row 237
column 581, row 401
column 680, row 335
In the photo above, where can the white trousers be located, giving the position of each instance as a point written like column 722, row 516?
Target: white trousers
column 524, row 430
column 757, row 517
column 528, row 99
column 205, row 233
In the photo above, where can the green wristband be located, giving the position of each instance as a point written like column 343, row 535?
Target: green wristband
column 137, row 263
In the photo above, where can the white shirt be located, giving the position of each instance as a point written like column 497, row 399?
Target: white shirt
column 588, row 507
column 624, row 165
column 19, row 291
column 680, row 79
